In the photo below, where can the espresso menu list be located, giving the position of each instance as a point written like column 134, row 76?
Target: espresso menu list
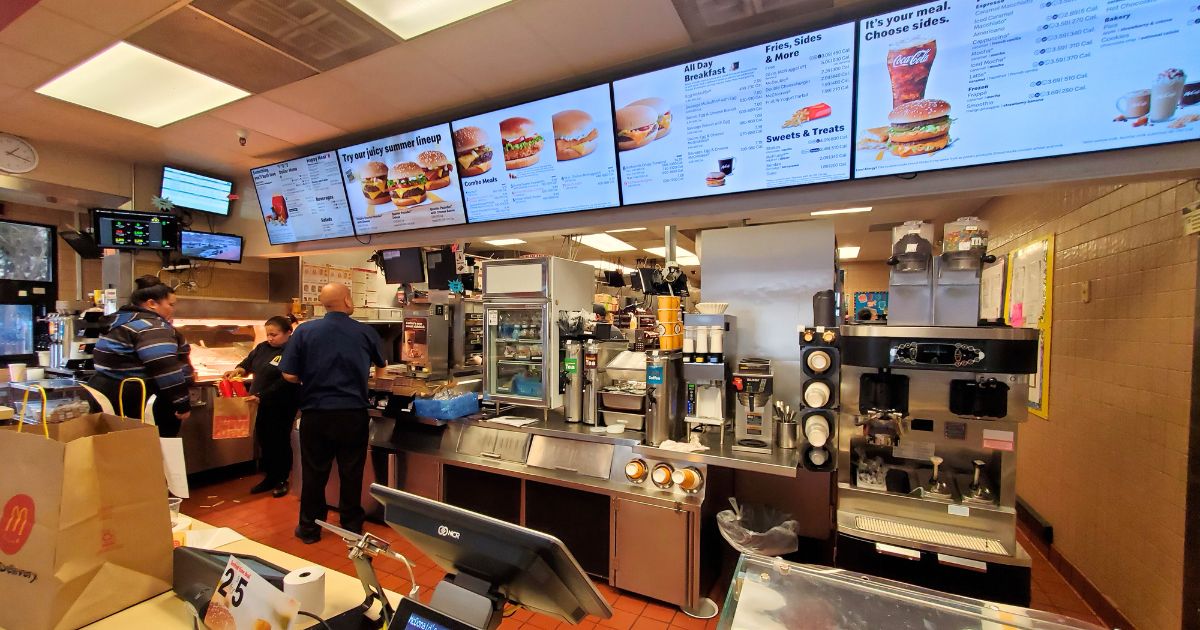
column 303, row 199
column 403, row 182
column 548, row 156
column 962, row 82
column 763, row 117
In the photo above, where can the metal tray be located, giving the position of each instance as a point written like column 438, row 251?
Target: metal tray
column 623, row 401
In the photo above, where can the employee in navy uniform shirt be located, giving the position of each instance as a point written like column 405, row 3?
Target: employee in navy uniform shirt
column 331, row 358
column 278, row 401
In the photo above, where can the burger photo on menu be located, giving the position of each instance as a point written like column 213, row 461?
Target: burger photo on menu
column 373, row 178
column 662, row 109
column 574, row 134
column 919, row 127
column 407, row 183
column 437, row 168
column 522, row 142
column 472, row 152
column 637, row 126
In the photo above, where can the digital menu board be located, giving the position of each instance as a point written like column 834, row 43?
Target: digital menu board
column 961, row 82
column 403, row 182
column 773, row 115
column 545, row 157
column 303, row 199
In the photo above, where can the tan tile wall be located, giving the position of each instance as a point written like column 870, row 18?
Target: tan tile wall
column 1108, row 469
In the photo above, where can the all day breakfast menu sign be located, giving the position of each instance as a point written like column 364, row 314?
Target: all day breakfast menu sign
column 403, row 182
column 548, row 156
column 963, row 82
column 762, row 117
column 303, row 199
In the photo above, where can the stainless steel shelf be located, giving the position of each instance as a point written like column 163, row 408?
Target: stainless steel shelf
column 520, row 361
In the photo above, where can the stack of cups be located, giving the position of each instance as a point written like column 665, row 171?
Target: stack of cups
column 670, row 323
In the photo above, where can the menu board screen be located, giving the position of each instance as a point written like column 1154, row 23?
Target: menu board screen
column 403, row 182
column 958, row 82
column 763, row 117
column 303, row 199
column 545, row 157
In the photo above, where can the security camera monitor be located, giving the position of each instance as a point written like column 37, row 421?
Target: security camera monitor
column 211, row 246
column 526, row 567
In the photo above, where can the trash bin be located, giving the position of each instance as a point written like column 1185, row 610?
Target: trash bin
column 759, row 529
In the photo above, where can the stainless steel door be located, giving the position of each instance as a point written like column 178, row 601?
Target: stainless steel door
column 651, row 551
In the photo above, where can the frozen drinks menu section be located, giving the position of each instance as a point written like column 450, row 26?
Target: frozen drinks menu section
column 773, row 115
column 548, row 156
column 303, row 199
column 963, row 82
column 403, row 182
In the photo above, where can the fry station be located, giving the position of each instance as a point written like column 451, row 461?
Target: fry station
column 617, row 314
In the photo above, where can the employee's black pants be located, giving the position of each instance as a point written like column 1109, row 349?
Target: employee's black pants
column 163, row 411
column 273, row 432
column 326, row 435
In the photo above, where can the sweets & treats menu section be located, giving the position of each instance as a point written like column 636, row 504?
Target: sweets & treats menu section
column 403, row 182
column 959, row 82
column 545, row 157
column 303, row 199
column 772, row 115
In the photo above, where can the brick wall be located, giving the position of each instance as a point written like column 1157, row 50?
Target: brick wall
column 1108, row 469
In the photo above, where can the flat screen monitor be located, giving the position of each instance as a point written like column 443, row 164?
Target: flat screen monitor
column 403, row 182
column 192, row 191
column 544, row 157
column 440, row 269
column 303, row 199
column 121, row 229
column 403, row 266
column 529, row 568
column 773, row 115
column 211, row 246
column 16, row 335
column 83, row 243
column 959, row 82
column 26, row 252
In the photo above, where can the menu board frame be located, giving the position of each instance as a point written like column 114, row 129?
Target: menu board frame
column 263, row 216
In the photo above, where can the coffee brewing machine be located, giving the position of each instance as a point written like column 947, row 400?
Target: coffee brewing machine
column 753, row 422
column 709, row 348
column 927, row 446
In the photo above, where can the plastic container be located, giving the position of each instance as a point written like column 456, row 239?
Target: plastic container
column 965, row 234
column 446, row 408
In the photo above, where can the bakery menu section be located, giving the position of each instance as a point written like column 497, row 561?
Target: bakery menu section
column 403, row 182
column 964, row 82
column 545, row 157
column 763, row 117
column 303, row 199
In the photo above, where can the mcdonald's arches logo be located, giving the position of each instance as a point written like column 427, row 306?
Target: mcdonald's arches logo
column 16, row 523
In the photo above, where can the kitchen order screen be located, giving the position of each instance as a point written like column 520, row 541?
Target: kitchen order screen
column 763, row 117
column 403, row 182
column 545, row 157
column 303, row 199
column 961, row 82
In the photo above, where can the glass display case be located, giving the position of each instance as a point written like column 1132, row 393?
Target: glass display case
column 517, row 336
column 770, row 594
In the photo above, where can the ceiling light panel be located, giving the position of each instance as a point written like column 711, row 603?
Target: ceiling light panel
column 625, row 230
column 410, row 18
column 128, row 82
column 820, row 213
column 848, row 252
column 662, row 251
column 501, row 242
column 605, row 243
column 608, row 266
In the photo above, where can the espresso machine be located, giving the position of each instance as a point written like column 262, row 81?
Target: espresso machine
column 927, row 445
column 753, row 422
column 709, row 406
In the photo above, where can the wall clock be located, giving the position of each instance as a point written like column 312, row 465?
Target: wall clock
column 16, row 154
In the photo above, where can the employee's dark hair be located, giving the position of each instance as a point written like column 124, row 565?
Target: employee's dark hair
column 281, row 322
column 149, row 288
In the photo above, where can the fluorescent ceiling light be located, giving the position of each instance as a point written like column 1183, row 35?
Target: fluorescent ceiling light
column 682, row 256
column 605, row 243
column 501, row 242
column 625, row 230
column 608, row 266
column 848, row 252
column 126, row 81
column 410, row 18
column 842, row 211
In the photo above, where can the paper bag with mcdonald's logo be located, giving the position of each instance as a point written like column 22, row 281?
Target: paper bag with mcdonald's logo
column 84, row 526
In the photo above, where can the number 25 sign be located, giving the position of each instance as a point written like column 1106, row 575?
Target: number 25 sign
column 245, row 600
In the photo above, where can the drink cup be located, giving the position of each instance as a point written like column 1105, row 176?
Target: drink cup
column 909, row 63
column 1166, row 94
column 1135, row 104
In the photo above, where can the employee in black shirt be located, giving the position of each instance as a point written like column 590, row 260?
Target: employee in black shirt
column 278, row 401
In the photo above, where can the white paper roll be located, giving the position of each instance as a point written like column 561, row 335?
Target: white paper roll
column 307, row 586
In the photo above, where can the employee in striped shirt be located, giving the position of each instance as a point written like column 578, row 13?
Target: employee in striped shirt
column 142, row 343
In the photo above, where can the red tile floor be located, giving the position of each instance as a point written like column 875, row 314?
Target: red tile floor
column 270, row 521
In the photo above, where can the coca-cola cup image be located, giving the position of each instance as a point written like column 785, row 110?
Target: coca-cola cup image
column 909, row 63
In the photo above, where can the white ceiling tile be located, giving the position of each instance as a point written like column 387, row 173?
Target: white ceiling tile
column 333, row 102
column 46, row 34
column 430, row 93
column 208, row 132
column 260, row 114
column 596, row 35
column 24, row 70
column 114, row 18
